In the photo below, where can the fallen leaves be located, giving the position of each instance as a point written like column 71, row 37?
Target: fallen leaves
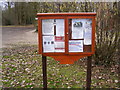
column 22, row 67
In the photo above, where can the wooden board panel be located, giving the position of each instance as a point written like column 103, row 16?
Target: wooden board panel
column 67, row 59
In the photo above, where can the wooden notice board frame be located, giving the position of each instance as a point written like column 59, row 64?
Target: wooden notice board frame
column 67, row 57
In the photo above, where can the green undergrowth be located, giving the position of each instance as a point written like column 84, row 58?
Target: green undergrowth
column 22, row 67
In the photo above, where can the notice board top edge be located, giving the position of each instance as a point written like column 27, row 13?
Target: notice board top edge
column 65, row 14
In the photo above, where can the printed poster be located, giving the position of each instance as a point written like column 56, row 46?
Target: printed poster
column 75, row 45
column 59, row 44
column 48, row 43
column 77, row 29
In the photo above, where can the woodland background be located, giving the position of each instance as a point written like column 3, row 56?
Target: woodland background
column 107, row 20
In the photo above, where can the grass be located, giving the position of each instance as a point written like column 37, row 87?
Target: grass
column 22, row 67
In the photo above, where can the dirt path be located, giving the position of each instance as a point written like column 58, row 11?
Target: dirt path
column 19, row 35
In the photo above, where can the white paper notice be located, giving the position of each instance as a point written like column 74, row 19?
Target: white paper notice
column 88, row 36
column 48, row 43
column 76, row 46
column 59, row 27
column 48, row 27
column 88, row 32
column 77, row 29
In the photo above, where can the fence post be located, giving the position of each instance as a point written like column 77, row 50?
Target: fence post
column 44, row 70
column 88, row 79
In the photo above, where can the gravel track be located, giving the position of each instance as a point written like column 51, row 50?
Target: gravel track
column 19, row 35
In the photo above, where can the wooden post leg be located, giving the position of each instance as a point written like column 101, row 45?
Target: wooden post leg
column 88, row 79
column 44, row 70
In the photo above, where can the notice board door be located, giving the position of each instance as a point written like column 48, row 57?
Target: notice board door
column 80, row 35
column 52, row 35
